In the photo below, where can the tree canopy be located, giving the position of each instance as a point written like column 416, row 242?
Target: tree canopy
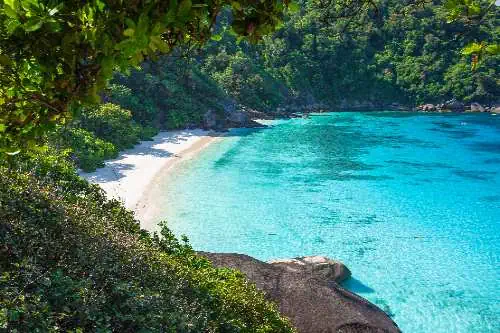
column 56, row 55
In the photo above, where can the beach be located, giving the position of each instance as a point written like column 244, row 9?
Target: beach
column 129, row 177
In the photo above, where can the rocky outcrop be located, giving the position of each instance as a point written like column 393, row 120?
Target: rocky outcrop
column 319, row 267
column 427, row 108
column 476, row 107
column 455, row 106
column 241, row 119
column 307, row 291
column 210, row 120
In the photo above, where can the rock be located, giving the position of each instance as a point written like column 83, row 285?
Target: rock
column 476, row 107
column 427, row 107
column 454, row 105
column 318, row 267
column 254, row 114
column 210, row 120
column 495, row 109
column 397, row 107
column 238, row 119
column 306, row 292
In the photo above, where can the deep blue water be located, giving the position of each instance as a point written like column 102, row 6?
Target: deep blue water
column 409, row 202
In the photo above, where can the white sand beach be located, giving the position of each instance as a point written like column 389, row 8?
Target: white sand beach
column 128, row 177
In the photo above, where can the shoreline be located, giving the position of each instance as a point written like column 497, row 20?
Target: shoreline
column 135, row 172
column 144, row 211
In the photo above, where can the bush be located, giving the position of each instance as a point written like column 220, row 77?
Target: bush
column 113, row 124
column 71, row 260
column 147, row 133
column 88, row 151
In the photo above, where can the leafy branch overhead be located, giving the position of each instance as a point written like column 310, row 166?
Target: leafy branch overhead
column 57, row 55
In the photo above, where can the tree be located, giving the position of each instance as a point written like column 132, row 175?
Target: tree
column 55, row 56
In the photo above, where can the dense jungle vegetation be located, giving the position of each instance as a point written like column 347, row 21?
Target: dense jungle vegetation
column 80, row 81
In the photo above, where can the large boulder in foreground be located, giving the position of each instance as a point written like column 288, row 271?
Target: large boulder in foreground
column 307, row 292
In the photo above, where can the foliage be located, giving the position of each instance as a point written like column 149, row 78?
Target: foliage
column 244, row 80
column 87, row 151
column 56, row 55
column 172, row 91
column 383, row 51
column 112, row 123
column 71, row 260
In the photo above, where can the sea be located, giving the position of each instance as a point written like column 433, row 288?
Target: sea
column 410, row 202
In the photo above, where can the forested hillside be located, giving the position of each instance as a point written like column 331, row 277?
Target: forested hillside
column 394, row 53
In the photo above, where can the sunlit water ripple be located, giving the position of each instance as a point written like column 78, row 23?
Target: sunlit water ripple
column 409, row 202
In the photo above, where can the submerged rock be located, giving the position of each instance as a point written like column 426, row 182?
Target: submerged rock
column 307, row 292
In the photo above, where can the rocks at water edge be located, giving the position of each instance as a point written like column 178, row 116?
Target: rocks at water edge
column 307, row 291
column 230, row 118
column 455, row 106
column 427, row 107
column 476, row 107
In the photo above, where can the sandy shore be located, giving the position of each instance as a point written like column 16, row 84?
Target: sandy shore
column 129, row 177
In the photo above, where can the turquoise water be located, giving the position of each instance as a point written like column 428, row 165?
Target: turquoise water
column 409, row 202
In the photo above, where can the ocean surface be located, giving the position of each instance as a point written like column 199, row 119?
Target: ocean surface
column 409, row 202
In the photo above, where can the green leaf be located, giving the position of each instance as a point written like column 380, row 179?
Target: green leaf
column 130, row 23
column 160, row 44
column 129, row 32
column 217, row 37
column 236, row 5
column 293, row 7
column 169, row 17
column 100, row 5
column 12, row 13
column 493, row 49
column 12, row 4
column 107, row 66
column 33, row 24
column 472, row 48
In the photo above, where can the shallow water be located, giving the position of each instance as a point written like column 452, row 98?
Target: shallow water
column 409, row 202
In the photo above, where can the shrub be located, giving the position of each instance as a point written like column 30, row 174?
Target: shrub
column 113, row 124
column 71, row 260
column 148, row 132
column 88, row 151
